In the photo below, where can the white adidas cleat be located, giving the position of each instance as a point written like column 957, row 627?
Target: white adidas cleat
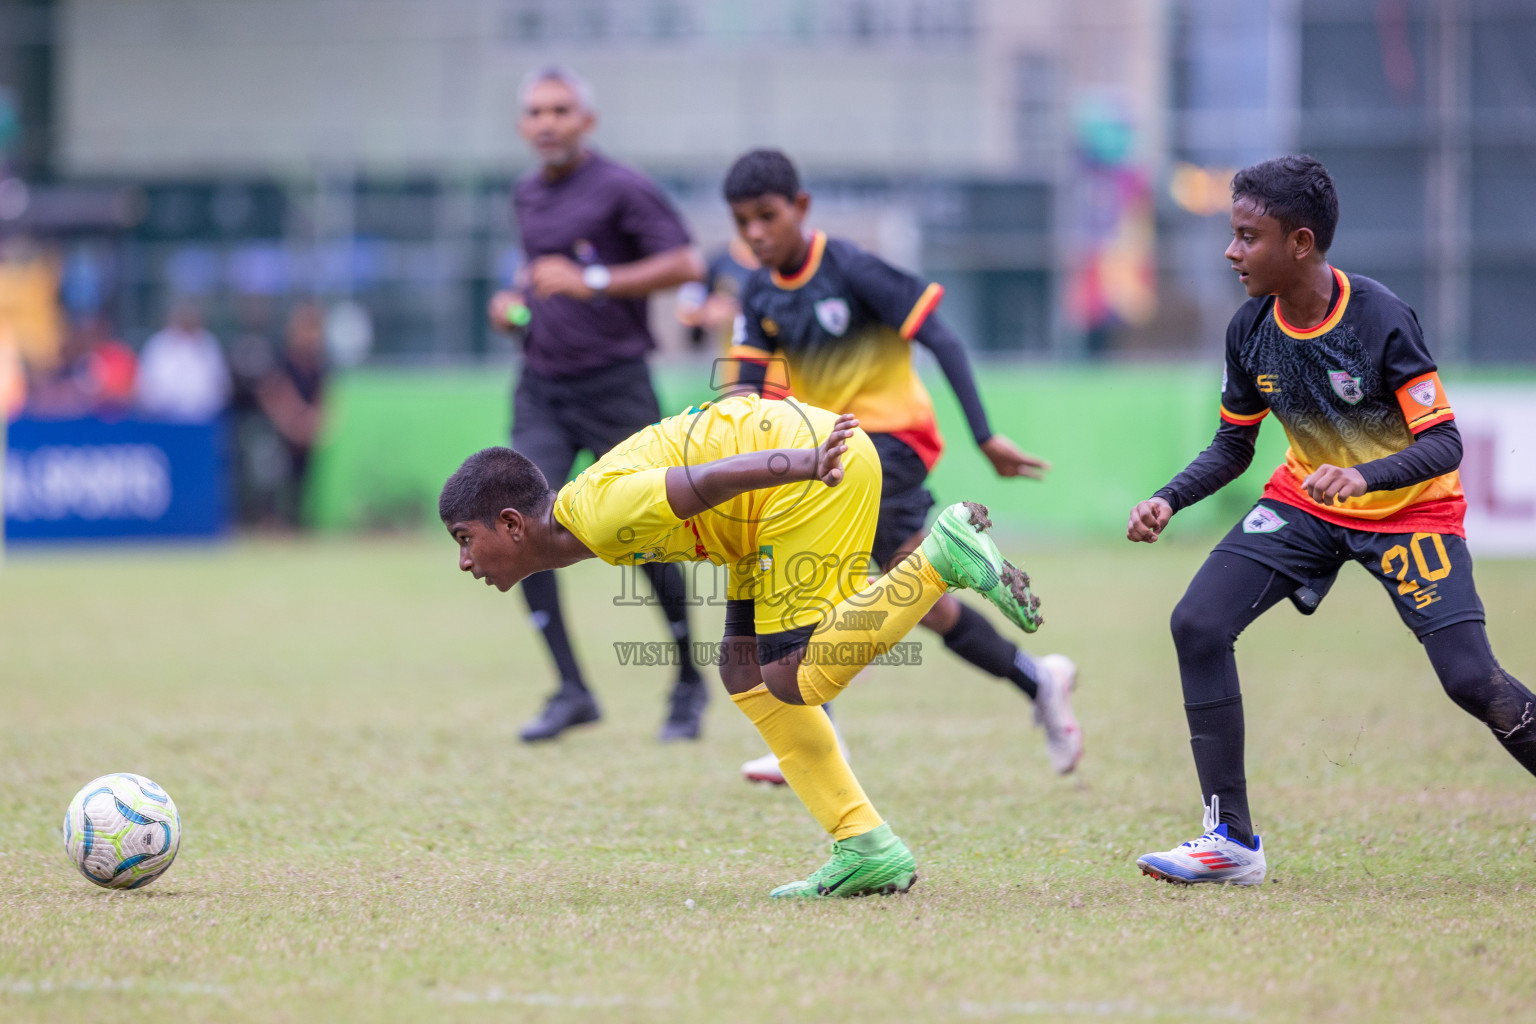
column 1053, row 712
column 763, row 769
column 1210, row 858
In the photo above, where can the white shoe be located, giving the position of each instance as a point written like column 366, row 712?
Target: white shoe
column 1211, row 858
column 1053, row 712
column 766, row 768
column 763, row 769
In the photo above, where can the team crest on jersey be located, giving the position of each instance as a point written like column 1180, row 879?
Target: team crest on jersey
column 1345, row 386
column 769, row 327
column 1424, row 393
column 833, row 315
column 1262, row 520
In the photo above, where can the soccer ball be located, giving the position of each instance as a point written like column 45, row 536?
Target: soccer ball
column 122, row 831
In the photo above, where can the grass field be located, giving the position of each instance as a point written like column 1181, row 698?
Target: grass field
column 366, row 839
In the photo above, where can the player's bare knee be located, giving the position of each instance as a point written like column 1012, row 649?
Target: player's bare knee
column 740, row 678
column 739, row 670
column 783, row 681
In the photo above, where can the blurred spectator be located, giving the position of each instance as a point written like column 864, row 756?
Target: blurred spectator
column 113, row 368
column 291, row 394
column 709, row 308
column 95, row 375
column 182, row 372
column 260, row 458
column 13, row 379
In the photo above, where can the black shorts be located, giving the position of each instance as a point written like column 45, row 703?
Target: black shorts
column 904, row 501
column 741, row 621
column 1428, row 575
column 554, row 418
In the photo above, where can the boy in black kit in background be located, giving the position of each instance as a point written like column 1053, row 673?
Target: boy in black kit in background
column 841, row 322
column 1370, row 476
column 599, row 238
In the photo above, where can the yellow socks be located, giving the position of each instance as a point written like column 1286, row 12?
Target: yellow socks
column 875, row 618
column 806, row 745
column 801, row 735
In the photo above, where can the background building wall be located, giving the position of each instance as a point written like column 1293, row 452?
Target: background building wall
column 992, row 142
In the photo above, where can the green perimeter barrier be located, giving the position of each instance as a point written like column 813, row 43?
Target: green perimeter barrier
column 1113, row 435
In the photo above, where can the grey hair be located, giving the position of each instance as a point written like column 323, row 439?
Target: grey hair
column 565, row 76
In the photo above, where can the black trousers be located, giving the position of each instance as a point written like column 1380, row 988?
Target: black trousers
column 1232, row 590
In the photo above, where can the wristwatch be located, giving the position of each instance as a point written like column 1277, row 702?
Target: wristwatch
column 597, row 278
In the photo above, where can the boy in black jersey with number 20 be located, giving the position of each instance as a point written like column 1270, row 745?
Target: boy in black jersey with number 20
column 837, row 325
column 1370, row 477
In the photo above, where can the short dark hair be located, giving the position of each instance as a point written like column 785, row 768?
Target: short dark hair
column 490, row 480
column 1295, row 190
column 762, row 172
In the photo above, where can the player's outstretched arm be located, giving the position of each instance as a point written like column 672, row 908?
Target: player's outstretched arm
column 1011, row 460
column 693, row 489
column 1007, row 458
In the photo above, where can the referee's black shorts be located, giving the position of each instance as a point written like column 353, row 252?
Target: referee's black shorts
column 554, row 418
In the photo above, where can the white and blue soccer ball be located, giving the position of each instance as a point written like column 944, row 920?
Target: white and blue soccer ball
column 122, row 831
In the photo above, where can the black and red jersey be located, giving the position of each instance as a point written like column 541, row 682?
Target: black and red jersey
column 1354, row 388
column 844, row 325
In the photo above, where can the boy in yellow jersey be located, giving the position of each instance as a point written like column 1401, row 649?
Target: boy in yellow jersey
column 786, row 496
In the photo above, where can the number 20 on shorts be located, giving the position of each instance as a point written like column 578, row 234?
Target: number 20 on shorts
column 1395, row 562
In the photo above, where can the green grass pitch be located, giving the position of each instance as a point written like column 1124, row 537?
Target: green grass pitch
column 366, row 839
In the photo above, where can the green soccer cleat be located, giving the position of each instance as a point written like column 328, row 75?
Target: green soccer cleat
column 964, row 556
column 873, row 864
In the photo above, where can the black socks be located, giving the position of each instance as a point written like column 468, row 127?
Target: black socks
column 1216, row 736
column 977, row 641
column 543, row 598
column 671, row 593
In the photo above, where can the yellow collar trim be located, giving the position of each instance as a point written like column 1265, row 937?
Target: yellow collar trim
column 805, row 273
column 1329, row 322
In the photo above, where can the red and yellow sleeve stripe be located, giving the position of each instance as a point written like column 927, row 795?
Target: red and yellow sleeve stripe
column 1238, row 419
column 1424, row 403
column 924, row 306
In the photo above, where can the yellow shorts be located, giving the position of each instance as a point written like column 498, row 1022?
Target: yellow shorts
column 813, row 546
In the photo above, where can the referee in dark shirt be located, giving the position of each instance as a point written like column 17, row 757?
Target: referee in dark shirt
column 599, row 238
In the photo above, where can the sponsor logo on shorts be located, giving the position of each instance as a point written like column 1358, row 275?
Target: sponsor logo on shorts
column 1424, row 393
column 833, row 315
column 1262, row 520
column 1345, row 386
